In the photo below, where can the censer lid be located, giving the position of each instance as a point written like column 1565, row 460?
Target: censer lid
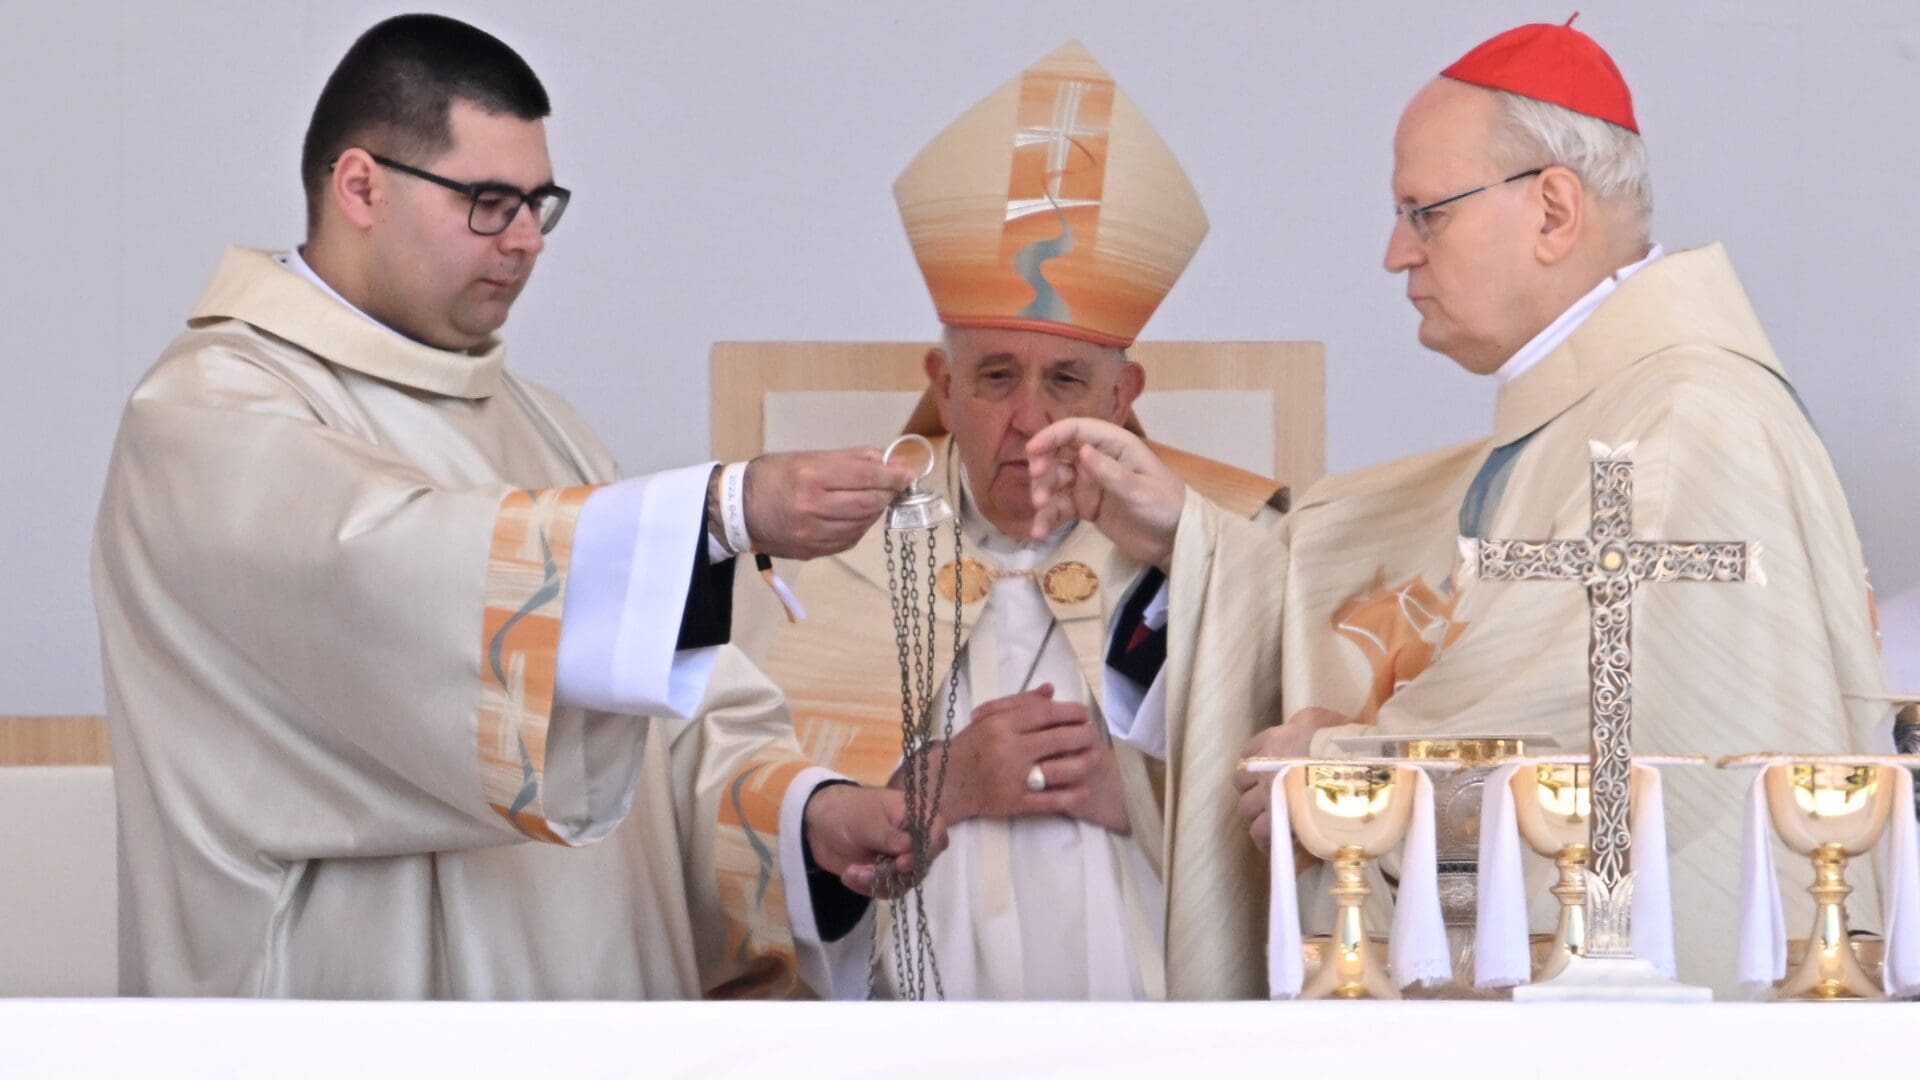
column 916, row 509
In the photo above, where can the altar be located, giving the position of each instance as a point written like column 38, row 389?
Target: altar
column 217, row 1039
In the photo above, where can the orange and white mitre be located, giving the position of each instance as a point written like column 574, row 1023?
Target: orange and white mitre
column 1052, row 205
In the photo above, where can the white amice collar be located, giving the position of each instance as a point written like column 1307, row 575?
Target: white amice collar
column 1562, row 328
column 297, row 263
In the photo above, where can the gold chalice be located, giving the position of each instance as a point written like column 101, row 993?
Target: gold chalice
column 1830, row 812
column 1553, row 805
column 1347, row 815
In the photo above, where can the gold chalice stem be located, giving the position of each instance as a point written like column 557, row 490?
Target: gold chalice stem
column 1350, row 968
column 1829, row 971
column 1570, row 936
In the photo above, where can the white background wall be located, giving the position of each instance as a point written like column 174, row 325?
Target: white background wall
column 732, row 165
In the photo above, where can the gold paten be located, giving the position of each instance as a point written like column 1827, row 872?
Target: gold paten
column 1470, row 750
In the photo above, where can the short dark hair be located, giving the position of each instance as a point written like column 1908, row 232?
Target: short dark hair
column 394, row 89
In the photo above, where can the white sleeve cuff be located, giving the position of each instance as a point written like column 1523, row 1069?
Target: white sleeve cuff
column 834, row 970
column 1158, row 608
column 1137, row 715
column 626, row 593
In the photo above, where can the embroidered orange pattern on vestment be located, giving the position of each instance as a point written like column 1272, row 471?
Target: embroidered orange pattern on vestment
column 520, row 641
column 1400, row 630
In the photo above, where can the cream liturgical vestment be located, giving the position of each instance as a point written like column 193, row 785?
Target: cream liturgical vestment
column 330, row 567
column 1361, row 600
column 1031, row 908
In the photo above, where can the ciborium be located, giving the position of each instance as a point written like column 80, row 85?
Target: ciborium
column 1350, row 815
column 1457, row 795
column 1830, row 812
column 1553, row 805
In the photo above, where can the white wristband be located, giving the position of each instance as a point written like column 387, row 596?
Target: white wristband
column 733, row 507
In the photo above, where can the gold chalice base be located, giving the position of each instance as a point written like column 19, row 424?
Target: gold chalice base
column 1540, row 949
column 1314, row 949
column 1870, row 952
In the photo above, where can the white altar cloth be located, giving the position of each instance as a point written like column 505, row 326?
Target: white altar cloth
column 218, row 1039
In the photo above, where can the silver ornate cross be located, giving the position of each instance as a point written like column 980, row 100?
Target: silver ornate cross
column 1611, row 563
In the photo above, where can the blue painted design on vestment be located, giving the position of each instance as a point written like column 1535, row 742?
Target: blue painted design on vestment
column 1027, row 262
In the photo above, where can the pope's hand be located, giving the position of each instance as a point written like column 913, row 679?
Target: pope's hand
column 1292, row 739
column 991, row 764
column 1103, row 474
column 805, row 505
column 850, row 829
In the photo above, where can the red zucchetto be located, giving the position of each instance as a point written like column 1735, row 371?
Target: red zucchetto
column 1555, row 64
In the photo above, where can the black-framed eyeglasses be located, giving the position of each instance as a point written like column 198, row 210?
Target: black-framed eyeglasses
column 1418, row 217
column 493, row 205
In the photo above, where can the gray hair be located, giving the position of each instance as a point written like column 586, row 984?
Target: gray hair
column 1610, row 160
